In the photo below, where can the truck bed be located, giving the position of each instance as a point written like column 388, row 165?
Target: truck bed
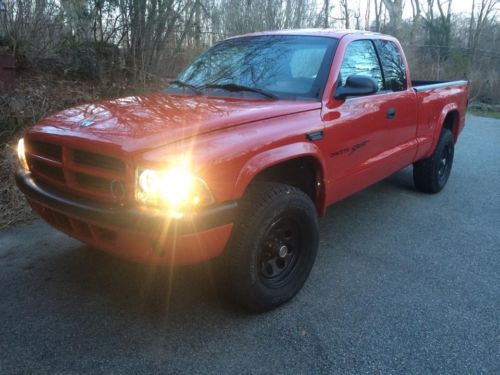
column 436, row 101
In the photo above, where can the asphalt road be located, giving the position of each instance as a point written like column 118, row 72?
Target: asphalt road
column 403, row 282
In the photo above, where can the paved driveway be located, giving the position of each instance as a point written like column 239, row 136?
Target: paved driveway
column 403, row 282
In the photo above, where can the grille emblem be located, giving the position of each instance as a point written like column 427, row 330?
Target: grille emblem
column 85, row 123
column 117, row 190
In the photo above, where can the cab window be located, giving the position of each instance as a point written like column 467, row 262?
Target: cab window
column 392, row 65
column 361, row 59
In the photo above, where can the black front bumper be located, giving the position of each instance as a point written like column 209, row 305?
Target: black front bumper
column 125, row 217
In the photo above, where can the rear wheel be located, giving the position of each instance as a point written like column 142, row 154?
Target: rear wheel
column 430, row 175
column 273, row 246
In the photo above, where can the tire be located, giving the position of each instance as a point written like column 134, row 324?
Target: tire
column 430, row 175
column 272, row 248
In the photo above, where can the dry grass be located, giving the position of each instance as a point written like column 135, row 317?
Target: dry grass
column 14, row 208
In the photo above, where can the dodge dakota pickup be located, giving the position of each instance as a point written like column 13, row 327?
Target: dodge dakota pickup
column 237, row 158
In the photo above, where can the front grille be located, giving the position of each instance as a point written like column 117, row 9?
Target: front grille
column 98, row 160
column 47, row 170
column 49, row 150
column 78, row 172
column 92, row 182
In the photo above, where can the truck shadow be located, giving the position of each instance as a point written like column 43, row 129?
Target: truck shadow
column 157, row 292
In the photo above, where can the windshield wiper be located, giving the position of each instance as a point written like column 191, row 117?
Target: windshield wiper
column 236, row 87
column 180, row 83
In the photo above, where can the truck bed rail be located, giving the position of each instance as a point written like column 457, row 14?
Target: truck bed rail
column 431, row 85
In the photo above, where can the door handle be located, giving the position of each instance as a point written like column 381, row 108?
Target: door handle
column 391, row 113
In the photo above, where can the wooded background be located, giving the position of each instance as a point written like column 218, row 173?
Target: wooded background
column 94, row 38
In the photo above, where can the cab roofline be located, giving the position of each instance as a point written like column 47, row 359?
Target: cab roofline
column 331, row 33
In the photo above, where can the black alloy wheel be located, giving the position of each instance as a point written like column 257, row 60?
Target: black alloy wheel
column 272, row 248
column 280, row 251
column 431, row 175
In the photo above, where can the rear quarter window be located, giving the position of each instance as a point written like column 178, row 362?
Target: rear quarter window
column 393, row 65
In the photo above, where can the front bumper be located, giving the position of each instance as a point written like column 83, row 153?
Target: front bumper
column 147, row 236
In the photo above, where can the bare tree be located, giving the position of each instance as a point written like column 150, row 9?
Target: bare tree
column 378, row 4
column 367, row 15
column 152, row 38
column 479, row 18
column 395, row 9
column 357, row 17
column 345, row 13
column 327, row 13
column 416, row 13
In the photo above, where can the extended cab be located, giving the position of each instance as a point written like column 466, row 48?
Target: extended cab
column 239, row 156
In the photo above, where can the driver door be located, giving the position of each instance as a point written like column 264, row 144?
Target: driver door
column 358, row 134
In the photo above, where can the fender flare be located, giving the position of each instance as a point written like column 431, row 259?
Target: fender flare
column 439, row 126
column 274, row 156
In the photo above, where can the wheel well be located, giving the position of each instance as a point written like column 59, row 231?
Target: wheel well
column 303, row 173
column 451, row 123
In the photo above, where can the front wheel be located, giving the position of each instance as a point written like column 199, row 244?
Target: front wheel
column 430, row 175
column 273, row 246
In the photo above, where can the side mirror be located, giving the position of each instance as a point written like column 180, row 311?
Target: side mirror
column 356, row 85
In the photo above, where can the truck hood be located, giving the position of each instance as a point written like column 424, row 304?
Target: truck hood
column 145, row 122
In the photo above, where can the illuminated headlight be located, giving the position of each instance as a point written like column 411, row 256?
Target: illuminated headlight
column 175, row 188
column 21, row 154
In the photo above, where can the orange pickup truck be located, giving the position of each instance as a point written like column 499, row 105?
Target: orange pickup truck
column 235, row 161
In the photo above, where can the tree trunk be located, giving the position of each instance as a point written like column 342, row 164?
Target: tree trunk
column 395, row 9
column 327, row 11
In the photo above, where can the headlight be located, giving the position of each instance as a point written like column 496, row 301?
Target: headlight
column 175, row 188
column 21, row 154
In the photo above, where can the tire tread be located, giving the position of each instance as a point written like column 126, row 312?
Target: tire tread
column 256, row 202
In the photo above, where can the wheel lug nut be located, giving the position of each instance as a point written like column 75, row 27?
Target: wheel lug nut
column 283, row 251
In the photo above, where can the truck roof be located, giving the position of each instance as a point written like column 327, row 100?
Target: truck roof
column 332, row 33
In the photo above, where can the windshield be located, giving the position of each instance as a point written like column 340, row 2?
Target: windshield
column 278, row 66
